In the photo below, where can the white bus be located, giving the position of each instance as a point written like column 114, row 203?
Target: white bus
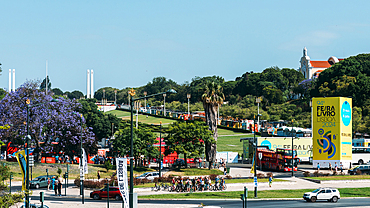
column 360, row 155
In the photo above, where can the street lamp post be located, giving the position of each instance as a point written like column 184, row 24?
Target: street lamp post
column 255, row 156
column 132, row 99
column 292, row 151
column 189, row 96
column 145, row 93
column 160, row 149
column 28, row 137
column 164, row 105
column 115, row 97
column 103, row 97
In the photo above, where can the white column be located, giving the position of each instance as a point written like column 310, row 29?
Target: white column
column 13, row 80
column 92, row 84
column 46, row 80
column 88, row 84
column 10, row 80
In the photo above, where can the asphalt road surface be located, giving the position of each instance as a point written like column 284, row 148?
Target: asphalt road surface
column 74, row 202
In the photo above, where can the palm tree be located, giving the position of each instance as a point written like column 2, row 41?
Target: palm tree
column 212, row 97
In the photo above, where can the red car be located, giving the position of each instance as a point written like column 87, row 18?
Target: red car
column 103, row 193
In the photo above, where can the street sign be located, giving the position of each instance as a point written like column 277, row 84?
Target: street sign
column 260, row 155
column 255, row 181
column 31, row 162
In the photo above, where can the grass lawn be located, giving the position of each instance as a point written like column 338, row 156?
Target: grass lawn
column 231, row 143
column 74, row 171
column 228, row 132
column 119, row 113
column 344, row 192
column 341, row 177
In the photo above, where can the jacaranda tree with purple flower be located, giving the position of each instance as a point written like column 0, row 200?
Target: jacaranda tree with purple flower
column 53, row 126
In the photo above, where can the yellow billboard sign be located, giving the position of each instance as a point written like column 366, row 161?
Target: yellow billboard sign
column 332, row 129
column 303, row 145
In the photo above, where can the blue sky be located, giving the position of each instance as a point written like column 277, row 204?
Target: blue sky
column 128, row 43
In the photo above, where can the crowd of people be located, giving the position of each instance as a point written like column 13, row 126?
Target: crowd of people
column 195, row 184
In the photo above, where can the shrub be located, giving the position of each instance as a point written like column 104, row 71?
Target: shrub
column 358, row 172
column 335, row 173
column 316, row 173
column 260, row 175
column 269, row 174
column 7, row 200
column 59, row 171
column 325, row 174
column 92, row 183
column 107, row 165
column 213, row 176
column 228, row 177
column 306, row 174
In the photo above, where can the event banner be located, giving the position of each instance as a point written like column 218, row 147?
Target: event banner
column 22, row 161
column 122, row 180
column 83, row 163
column 332, row 129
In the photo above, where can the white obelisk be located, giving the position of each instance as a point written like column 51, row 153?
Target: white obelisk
column 10, row 80
column 13, row 80
column 88, row 85
column 46, row 80
column 92, row 84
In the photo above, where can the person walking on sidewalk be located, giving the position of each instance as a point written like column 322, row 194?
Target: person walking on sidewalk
column 318, row 166
column 98, row 174
column 52, row 183
column 56, row 181
column 270, row 180
column 59, row 187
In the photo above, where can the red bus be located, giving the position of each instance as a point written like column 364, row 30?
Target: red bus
column 280, row 160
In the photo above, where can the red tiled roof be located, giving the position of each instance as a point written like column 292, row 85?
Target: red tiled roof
column 320, row 64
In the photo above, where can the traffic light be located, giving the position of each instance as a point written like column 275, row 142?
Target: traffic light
column 66, row 175
column 11, row 176
column 242, row 197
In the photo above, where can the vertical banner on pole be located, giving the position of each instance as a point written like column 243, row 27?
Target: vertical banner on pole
column 122, row 180
column 22, row 161
column 84, row 162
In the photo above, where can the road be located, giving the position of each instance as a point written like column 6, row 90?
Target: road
column 73, row 202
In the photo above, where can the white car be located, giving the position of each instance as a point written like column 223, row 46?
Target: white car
column 329, row 194
column 149, row 175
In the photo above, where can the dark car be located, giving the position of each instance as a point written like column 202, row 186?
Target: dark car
column 360, row 169
column 40, row 181
column 103, row 193
column 179, row 162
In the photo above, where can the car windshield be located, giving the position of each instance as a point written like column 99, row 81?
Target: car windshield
column 36, row 179
column 317, row 190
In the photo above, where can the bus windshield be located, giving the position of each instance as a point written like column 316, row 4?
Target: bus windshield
column 289, row 153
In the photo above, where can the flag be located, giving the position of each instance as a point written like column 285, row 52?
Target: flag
column 22, row 161
column 83, row 163
column 122, row 180
column 252, row 169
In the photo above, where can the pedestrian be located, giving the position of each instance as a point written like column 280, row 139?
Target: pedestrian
column 330, row 167
column 53, row 183
column 225, row 170
column 318, row 166
column 48, row 183
column 56, row 181
column 270, row 180
column 98, row 175
column 59, row 187
column 341, row 167
column 336, row 167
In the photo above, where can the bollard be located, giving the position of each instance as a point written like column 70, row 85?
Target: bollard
column 245, row 196
column 42, row 199
column 107, row 192
column 10, row 178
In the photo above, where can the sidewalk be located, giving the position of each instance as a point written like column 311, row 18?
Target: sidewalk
column 289, row 183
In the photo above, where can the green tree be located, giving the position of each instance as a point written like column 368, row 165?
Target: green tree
column 144, row 140
column 43, row 83
column 187, row 138
column 212, row 97
column 57, row 91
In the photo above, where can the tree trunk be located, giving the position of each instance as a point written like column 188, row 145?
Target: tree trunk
column 211, row 121
column 186, row 164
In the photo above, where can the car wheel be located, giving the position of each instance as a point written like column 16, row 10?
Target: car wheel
column 118, row 197
column 37, row 186
column 360, row 162
column 96, row 196
column 334, row 199
column 313, row 199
